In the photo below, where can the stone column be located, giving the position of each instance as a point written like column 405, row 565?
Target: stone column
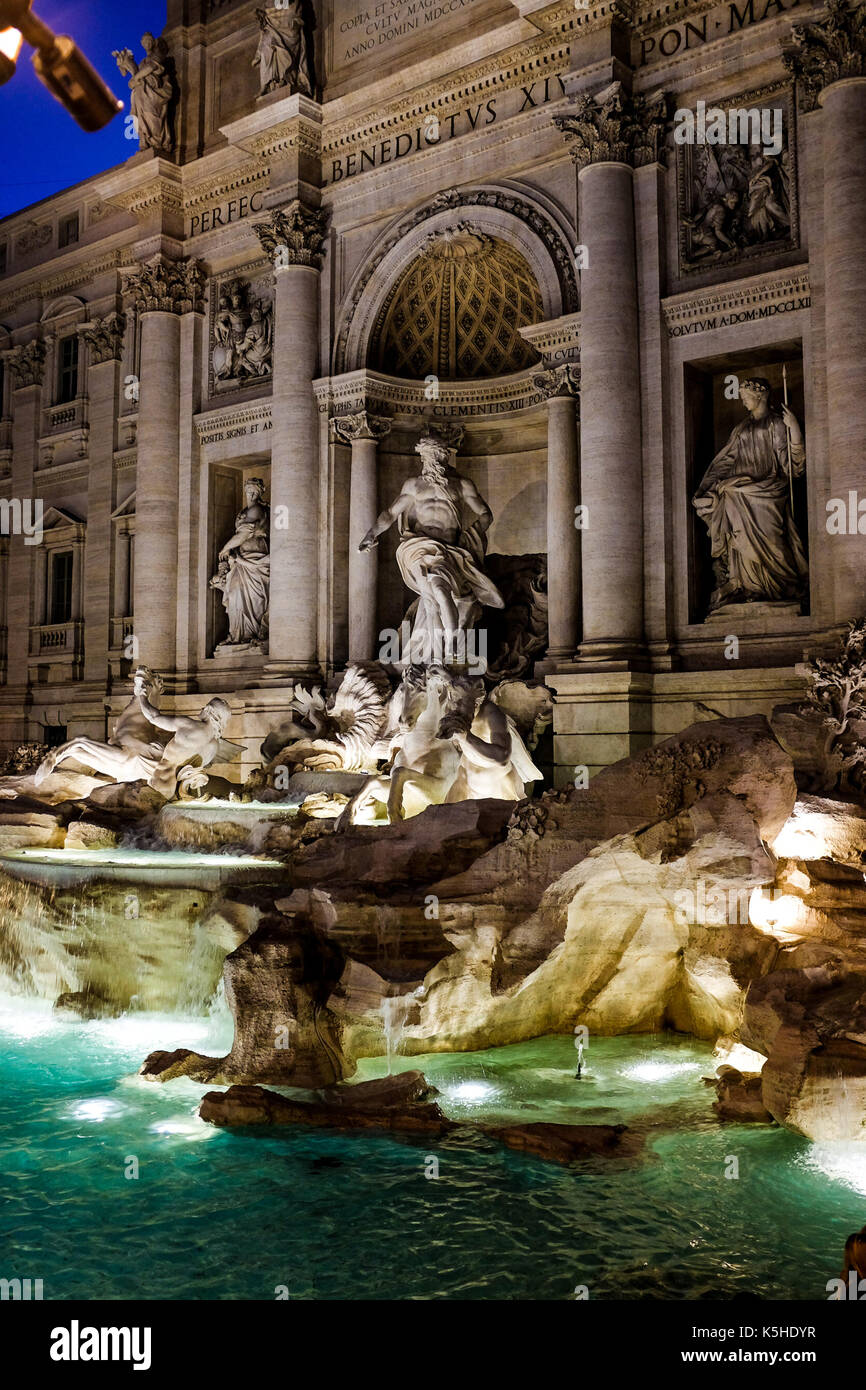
column 561, row 387
column 609, row 134
column 104, row 341
column 828, row 59
column 26, row 365
column 293, row 238
column 161, row 290
column 363, row 431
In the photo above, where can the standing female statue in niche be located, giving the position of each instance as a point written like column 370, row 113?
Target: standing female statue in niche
column 244, row 574
column 282, row 55
column 151, row 92
column 744, row 500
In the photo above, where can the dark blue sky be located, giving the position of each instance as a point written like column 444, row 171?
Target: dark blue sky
column 43, row 150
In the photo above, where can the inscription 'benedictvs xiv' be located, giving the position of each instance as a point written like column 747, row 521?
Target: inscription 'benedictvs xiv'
column 434, row 129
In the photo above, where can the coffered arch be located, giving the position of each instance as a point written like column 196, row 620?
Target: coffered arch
column 520, row 226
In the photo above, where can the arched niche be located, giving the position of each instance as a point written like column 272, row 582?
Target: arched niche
column 506, row 216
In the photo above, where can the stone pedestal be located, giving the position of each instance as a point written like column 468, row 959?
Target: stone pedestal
column 363, row 431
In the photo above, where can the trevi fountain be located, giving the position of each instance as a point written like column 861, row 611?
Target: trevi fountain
column 433, row 720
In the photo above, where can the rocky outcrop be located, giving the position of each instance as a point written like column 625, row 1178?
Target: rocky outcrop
column 811, row 1025
column 277, row 983
column 395, row 1102
column 404, row 1104
column 739, row 1098
column 648, row 900
column 28, row 824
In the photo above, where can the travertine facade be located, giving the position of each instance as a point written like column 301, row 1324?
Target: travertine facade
column 350, row 224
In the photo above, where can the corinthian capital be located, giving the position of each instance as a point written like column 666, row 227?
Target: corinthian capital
column 174, row 287
column 26, row 364
column 293, row 235
column 104, row 338
column 612, row 127
column 832, row 48
column 363, row 425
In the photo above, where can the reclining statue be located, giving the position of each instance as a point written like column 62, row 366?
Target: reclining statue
column 168, row 751
column 133, row 750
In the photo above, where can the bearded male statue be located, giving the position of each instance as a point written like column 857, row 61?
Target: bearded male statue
column 443, row 522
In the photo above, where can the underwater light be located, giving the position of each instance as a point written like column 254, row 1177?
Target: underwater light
column 843, row 1162
column 659, row 1071
column 186, row 1127
column 471, row 1091
column 97, row 1109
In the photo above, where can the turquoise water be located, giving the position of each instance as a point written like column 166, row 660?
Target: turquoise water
column 214, row 1215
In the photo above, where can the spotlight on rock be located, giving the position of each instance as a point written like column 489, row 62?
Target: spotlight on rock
column 775, row 912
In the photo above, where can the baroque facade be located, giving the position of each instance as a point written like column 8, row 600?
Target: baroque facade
column 348, row 225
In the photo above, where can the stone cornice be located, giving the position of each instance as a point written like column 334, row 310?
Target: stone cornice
column 295, row 122
column 173, row 287
column 827, row 50
column 42, row 286
column 231, row 418
column 364, row 390
column 761, row 296
column 557, row 339
column 143, row 188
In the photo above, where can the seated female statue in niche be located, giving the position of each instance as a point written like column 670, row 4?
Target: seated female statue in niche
column 745, row 502
column 244, row 574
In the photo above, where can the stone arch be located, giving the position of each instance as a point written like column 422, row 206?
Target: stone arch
column 500, row 213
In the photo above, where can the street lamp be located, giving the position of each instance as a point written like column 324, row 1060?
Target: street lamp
column 59, row 64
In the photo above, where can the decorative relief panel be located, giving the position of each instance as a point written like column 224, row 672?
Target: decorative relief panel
column 738, row 201
column 241, row 332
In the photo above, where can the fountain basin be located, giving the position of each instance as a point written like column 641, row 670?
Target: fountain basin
column 166, row 868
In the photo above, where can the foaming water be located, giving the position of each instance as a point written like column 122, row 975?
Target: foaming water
column 206, row 1214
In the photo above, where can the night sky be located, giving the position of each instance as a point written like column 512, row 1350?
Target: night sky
column 43, row 149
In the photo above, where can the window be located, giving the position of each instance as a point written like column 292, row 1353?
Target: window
column 68, row 234
column 60, row 593
column 3, row 257
column 54, row 735
column 67, row 380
